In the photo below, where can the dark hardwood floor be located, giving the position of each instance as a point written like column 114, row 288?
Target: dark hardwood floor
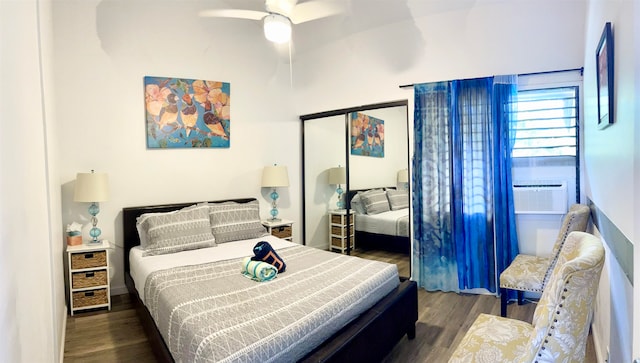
column 443, row 319
column 107, row 336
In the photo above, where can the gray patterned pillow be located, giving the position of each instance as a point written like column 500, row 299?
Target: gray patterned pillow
column 356, row 204
column 375, row 201
column 181, row 230
column 231, row 221
column 398, row 199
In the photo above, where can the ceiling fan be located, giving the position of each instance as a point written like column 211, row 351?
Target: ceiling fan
column 280, row 14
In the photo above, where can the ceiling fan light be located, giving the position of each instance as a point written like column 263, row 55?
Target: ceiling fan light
column 277, row 28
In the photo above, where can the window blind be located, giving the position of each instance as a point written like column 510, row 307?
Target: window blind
column 545, row 122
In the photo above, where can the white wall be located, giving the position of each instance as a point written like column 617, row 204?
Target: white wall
column 493, row 37
column 612, row 174
column 32, row 308
column 454, row 43
column 103, row 49
column 324, row 148
column 52, row 143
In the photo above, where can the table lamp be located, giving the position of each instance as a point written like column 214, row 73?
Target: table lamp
column 403, row 178
column 92, row 188
column 338, row 176
column 275, row 176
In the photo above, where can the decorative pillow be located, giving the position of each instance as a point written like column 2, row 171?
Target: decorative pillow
column 142, row 233
column 398, row 199
column 182, row 230
column 231, row 221
column 375, row 201
column 356, row 204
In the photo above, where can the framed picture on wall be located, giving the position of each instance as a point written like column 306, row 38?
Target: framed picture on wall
column 604, row 67
column 367, row 135
column 187, row 113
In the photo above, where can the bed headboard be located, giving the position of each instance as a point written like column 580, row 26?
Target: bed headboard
column 130, row 214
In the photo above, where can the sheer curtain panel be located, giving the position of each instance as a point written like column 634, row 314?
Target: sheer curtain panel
column 464, row 221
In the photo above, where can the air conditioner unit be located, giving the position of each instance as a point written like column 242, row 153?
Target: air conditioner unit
column 540, row 197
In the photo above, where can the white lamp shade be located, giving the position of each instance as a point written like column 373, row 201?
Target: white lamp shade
column 277, row 28
column 91, row 187
column 403, row 176
column 275, row 176
column 338, row 175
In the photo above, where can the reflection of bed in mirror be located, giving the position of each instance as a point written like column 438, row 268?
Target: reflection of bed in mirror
column 380, row 226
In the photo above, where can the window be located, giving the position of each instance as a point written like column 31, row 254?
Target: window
column 545, row 122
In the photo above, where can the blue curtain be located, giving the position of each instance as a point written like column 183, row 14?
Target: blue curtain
column 464, row 221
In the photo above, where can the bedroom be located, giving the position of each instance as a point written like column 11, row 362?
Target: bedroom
column 95, row 54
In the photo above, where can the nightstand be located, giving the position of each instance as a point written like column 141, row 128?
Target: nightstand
column 338, row 221
column 282, row 228
column 89, row 276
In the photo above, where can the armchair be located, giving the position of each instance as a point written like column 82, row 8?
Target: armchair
column 531, row 273
column 561, row 320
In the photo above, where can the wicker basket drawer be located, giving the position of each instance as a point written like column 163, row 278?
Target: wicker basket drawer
column 341, row 231
column 88, row 279
column 88, row 259
column 281, row 232
column 340, row 242
column 338, row 219
column 90, row 298
column 337, row 242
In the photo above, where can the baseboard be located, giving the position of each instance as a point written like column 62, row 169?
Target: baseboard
column 119, row 290
column 63, row 334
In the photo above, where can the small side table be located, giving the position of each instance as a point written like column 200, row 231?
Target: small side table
column 282, row 228
column 338, row 236
column 89, row 276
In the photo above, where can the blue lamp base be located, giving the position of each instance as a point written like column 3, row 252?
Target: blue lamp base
column 274, row 207
column 95, row 232
column 340, row 203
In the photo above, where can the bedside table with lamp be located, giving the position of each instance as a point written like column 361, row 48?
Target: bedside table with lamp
column 88, row 262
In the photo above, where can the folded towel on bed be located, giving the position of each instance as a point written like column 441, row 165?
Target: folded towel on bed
column 258, row 270
column 264, row 252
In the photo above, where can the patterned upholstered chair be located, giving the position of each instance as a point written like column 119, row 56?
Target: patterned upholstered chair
column 561, row 320
column 530, row 273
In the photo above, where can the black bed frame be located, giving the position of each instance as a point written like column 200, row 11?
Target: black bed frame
column 376, row 241
column 368, row 338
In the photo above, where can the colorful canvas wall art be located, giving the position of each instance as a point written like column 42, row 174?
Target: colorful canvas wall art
column 187, row 113
column 367, row 135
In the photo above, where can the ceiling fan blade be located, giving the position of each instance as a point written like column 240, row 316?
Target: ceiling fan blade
column 312, row 10
column 233, row 13
column 283, row 7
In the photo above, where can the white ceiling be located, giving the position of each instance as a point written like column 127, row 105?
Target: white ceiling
column 358, row 16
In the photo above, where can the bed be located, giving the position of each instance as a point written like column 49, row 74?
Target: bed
column 387, row 227
column 394, row 312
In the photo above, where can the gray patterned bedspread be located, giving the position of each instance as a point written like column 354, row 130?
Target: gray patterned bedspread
column 402, row 226
column 211, row 313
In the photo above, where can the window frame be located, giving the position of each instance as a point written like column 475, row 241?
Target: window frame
column 557, row 79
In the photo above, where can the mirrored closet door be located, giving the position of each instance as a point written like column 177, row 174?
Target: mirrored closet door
column 359, row 151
